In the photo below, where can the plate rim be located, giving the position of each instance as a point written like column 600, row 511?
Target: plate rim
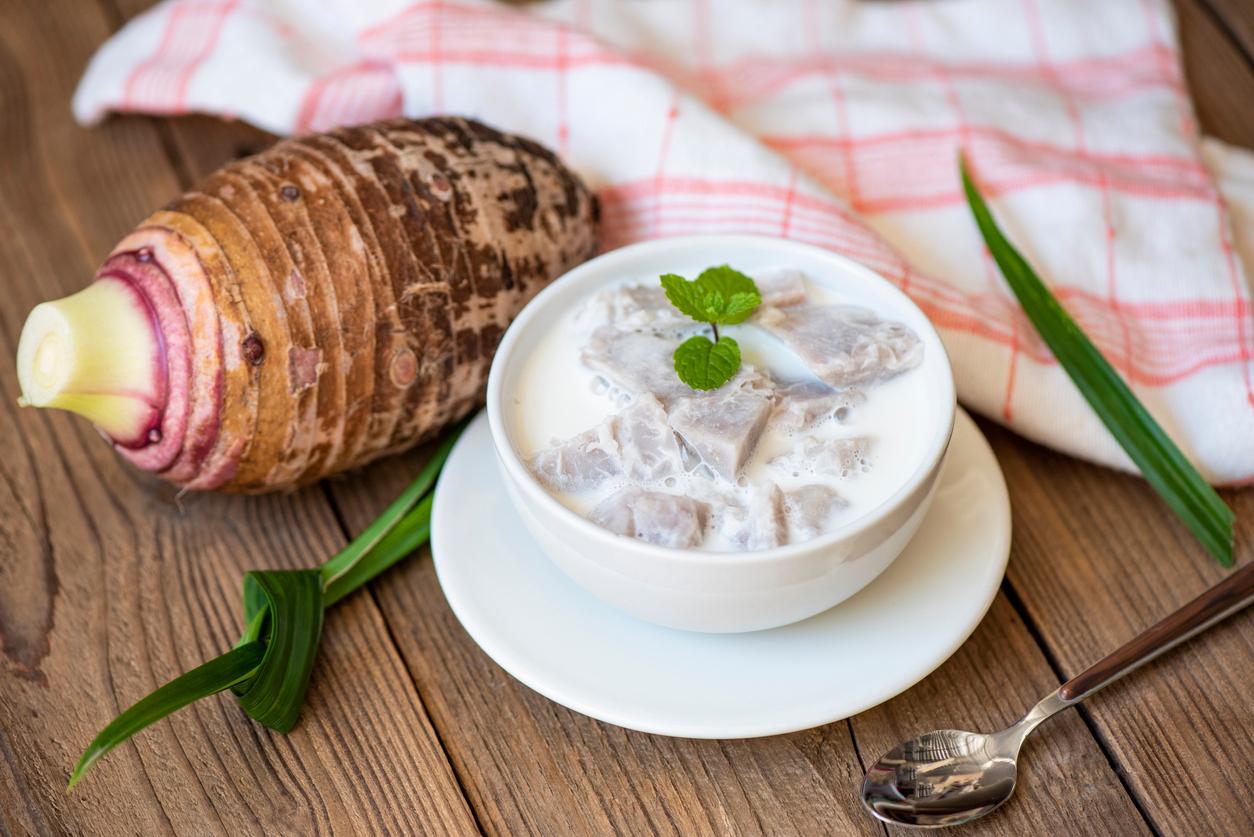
column 544, row 687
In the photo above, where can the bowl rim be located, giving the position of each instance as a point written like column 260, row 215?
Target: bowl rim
column 618, row 259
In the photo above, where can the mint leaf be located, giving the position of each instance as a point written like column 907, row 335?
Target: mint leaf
column 713, row 303
column 703, row 364
column 718, row 295
column 686, row 296
column 726, row 282
column 739, row 307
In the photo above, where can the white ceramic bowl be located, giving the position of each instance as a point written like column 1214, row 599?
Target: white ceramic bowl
column 720, row 591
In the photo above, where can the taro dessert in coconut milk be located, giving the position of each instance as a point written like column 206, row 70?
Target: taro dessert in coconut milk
column 810, row 430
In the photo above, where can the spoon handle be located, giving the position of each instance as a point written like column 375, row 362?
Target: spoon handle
column 1221, row 601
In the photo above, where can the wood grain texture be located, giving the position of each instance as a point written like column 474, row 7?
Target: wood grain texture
column 598, row 779
column 1097, row 560
column 108, row 587
column 1236, row 18
column 1220, row 76
column 105, row 589
column 531, row 766
column 1219, row 601
column 1066, row 785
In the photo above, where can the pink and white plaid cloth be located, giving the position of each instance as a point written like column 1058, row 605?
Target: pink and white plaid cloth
column 828, row 121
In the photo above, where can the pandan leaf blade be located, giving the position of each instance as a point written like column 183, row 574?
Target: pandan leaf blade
column 1162, row 463
column 294, row 601
column 219, row 674
column 411, row 532
column 270, row 666
column 370, row 537
column 254, row 598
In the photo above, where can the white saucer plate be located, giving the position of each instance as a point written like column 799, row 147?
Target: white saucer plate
column 562, row 642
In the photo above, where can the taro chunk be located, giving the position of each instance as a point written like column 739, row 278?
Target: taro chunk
column 581, row 463
column 646, row 443
column 808, row 510
column 826, row 457
column 760, row 523
column 801, row 406
column 637, row 442
column 782, row 288
column 632, row 307
column 844, row 344
column 722, row 428
column 635, row 362
column 652, row 516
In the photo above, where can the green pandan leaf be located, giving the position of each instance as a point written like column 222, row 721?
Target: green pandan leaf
column 254, row 599
column 703, row 364
column 411, row 532
column 270, row 665
column 219, row 674
column 1161, row 462
column 294, row 625
column 362, row 545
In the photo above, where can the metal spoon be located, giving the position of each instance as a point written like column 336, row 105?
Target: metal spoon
column 949, row 776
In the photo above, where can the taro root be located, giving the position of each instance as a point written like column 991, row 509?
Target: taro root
column 314, row 307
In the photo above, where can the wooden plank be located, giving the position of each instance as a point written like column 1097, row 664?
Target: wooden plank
column 531, row 766
column 1219, row 75
column 1066, row 785
column 1237, row 18
column 202, row 143
column 108, row 587
column 597, row 778
column 1098, row 559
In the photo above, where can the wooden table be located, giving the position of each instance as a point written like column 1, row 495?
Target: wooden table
column 109, row 586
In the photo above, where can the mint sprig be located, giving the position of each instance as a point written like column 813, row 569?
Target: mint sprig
column 719, row 296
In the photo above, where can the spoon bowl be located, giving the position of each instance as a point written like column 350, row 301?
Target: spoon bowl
column 942, row 778
column 949, row 776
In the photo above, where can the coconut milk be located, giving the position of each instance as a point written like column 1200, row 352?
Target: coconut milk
column 559, row 397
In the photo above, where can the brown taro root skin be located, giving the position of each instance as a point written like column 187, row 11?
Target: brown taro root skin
column 362, row 280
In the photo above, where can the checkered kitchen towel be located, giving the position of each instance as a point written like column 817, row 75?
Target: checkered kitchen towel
column 829, row 121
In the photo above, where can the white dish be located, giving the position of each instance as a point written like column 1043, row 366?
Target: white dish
column 694, row 589
column 567, row 645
